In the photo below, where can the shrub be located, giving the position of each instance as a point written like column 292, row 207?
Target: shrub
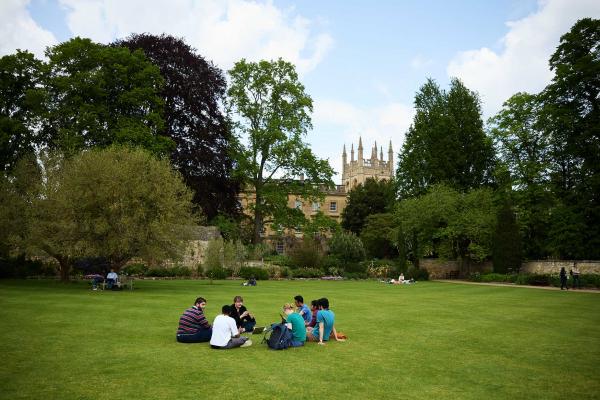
column 279, row 259
column 347, row 247
column 135, row 269
column 21, row 268
column 306, row 253
column 418, row 274
column 278, row 272
column 589, row 280
column 355, row 275
column 256, row 272
column 217, row 273
column 307, row 273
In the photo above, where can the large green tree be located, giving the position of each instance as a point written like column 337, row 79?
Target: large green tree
column 22, row 94
column 446, row 142
column 270, row 112
column 115, row 203
column 372, row 197
column 100, row 95
column 192, row 96
column 572, row 110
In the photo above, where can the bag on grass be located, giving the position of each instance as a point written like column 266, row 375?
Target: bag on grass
column 280, row 338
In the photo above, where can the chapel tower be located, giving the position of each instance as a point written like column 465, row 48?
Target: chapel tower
column 356, row 172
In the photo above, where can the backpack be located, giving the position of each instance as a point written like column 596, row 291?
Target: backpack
column 280, row 338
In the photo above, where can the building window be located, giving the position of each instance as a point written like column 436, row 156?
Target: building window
column 298, row 204
column 316, row 206
column 279, row 247
column 333, row 206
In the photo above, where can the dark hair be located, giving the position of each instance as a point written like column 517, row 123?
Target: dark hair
column 315, row 303
column 324, row 302
column 200, row 300
column 299, row 299
column 236, row 298
column 226, row 309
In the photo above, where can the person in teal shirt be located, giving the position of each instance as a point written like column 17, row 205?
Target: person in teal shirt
column 295, row 322
column 325, row 324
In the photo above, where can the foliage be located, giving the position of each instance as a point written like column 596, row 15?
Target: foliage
column 372, row 197
column 506, row 248
column 20, row 267
column 378, row 236
column 418, row 274
column 100, row 95
column 217, row 273
column 448, row 224
column 135, row 269
column 279, row 259
column 254, row 272
column 306, row 253
column 319, row 225
column 278, row 272
column 21, row 106
column 445, row 143
column 192, row 96
column 114, row 203
column 271, row 114
column 172, row 272
column 347, row 247
column 307, row 273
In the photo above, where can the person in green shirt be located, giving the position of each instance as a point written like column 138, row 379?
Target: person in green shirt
column 295, row 322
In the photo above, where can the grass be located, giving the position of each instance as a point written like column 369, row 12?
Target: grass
column 430, row 340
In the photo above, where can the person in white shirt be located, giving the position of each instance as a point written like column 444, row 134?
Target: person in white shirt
column 111, row 279
column 225, row 334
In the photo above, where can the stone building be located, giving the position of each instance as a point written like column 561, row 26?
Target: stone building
column 354, row 173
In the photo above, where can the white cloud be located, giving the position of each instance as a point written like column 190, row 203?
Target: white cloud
column 337, row 123
column 522, row 64
column 19, row 31
column 222, row 30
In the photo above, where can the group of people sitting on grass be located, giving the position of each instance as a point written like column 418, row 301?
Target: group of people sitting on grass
column 401, row 281
column 313, row 325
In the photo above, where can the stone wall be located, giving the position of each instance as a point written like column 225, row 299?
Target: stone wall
column 444, row 269
column 554, row 266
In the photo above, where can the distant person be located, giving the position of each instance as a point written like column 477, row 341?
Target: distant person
column 303, row 309
column 251, row 282
column 576, row 274
column 325, row 324
column 111, row 279
column 243, row 318
column 295, row 323
column 96, row 279
column 225, row 334
column 193, row 326
column 314, row 308
column 563, row 279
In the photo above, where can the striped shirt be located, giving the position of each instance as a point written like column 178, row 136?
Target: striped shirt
column 192, row 321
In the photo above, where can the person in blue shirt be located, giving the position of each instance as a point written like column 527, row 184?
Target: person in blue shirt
column 303, row 309
column 325, row 324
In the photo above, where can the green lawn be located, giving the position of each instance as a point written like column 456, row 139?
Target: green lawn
column 429, row 340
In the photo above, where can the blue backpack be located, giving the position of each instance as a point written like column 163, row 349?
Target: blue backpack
column 280, row 338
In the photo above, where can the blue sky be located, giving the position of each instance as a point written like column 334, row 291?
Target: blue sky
column 361, row 61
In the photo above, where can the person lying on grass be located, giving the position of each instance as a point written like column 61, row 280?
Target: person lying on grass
column 325, row 324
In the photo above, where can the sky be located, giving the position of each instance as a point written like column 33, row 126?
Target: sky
column 360, row 61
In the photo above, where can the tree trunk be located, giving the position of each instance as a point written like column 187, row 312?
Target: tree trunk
column 256, row 239
column 65, row 268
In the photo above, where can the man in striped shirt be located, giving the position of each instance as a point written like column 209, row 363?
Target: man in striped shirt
column 193, row 326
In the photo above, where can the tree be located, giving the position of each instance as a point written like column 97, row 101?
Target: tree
column 372, row 197
column 445, row 143
column 506, row 249
column 520, row 135
column 347, row 247
column 21, row 106
column 572, row 110
column 192, row 95
column 100, row 95
column 378, row 236
column 448, row 224
column 115, row 203
column 271, row 114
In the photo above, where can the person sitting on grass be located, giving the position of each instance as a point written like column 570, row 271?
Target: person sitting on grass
column 193, row 326
column 225, row 334
column 295, row 323
column 303, row 309
column 314, row 308
column 243, row 318
column 325, row 324
column 112, row 279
